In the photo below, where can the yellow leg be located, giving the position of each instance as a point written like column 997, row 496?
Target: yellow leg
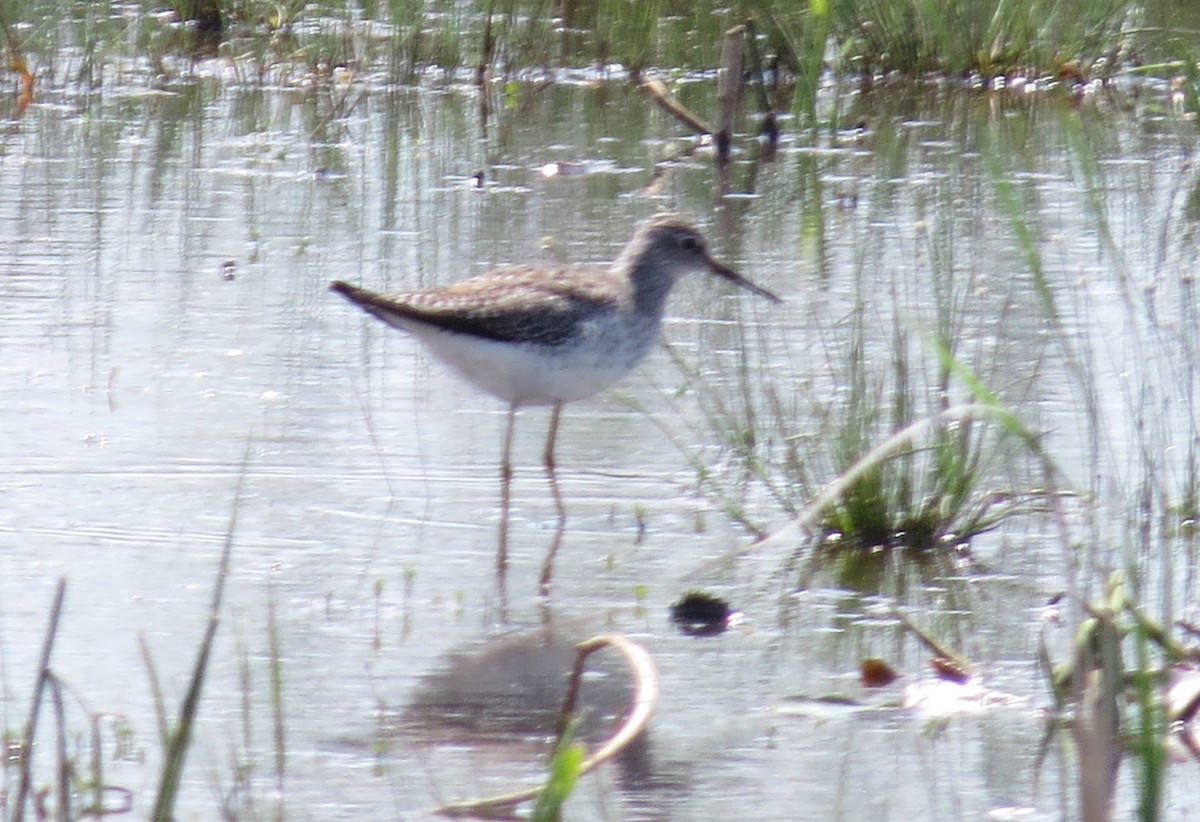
column 506, row 473
column 560, row 509
column 548, row 462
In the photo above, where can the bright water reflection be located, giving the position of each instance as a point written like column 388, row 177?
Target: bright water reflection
column 138, row 383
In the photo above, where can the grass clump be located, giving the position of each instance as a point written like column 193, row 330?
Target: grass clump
column 922, row 496
column 914, row 37
column 813, row 42
column 913, row 456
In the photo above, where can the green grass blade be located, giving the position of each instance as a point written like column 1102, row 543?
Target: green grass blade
column 565, row 769
column 181, row 736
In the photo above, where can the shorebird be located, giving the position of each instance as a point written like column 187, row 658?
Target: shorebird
column 548, row 335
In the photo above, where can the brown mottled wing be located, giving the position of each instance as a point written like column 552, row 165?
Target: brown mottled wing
column 518, row 304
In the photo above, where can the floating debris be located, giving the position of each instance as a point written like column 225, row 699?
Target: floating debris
column 949, row 669
column 701, row 614
column 875, row 673
column 576, row 168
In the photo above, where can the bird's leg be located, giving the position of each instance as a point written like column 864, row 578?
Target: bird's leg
column 548, row 462
column 560, row 510
column 506, row 472
column 548, row 564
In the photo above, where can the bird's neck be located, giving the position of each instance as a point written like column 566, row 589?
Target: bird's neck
column 651, row 283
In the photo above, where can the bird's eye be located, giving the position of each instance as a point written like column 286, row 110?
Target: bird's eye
column 689, row 243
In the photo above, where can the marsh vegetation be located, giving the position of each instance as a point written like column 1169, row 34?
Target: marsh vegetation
column 969, row 438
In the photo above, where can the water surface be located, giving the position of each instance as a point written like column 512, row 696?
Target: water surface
column 139, row 383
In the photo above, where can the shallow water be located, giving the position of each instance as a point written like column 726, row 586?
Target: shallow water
column 139, row 386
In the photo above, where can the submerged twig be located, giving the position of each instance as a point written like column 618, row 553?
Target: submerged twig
column 932, row 644
column 657, row 89
column 645, row 696
column 729, row 89
column 769, row 128
column 483, row 67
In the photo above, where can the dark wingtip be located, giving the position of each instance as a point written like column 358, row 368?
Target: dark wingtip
column 362, row 297
column 356, row 295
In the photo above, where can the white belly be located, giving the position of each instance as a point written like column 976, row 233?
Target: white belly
column 527, row 374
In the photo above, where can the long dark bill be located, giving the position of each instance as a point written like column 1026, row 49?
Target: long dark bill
column 737, row 279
